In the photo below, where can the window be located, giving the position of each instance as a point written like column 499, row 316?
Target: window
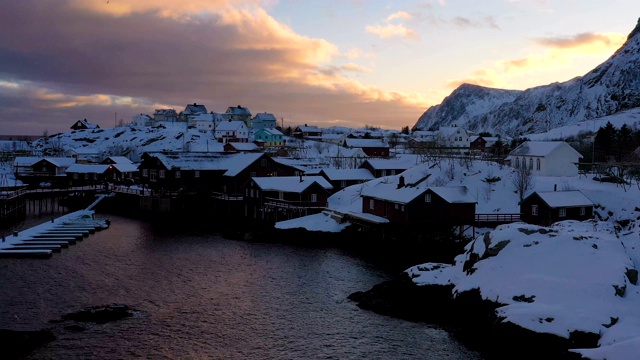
column 145, row 172
column 196, row 173
column 246, row 192
column 396, row 206
column 161, row 174
column 534, row 210
column 427, row 198
column 314, row 197
column 384, row 172
column 517, row 162
column 177, row 174
column 538, row 164
column 95, row 176
column 152, row 175
column 582, row 211
column 75, row 175
column 562, row 212
column 343, row 183
column 263, row 162
column 281, row 195
column 530, row 163
column 251, row 193
column 371, row 204
column 402, row 208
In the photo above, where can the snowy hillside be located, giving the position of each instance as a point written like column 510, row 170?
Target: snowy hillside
column 611, row 87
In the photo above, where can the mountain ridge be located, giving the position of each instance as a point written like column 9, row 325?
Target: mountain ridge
column 611, row 87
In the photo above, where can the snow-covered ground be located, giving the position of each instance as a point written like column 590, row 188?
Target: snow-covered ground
column 574, row 273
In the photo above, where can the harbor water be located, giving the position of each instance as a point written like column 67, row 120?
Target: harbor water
column 200, row 296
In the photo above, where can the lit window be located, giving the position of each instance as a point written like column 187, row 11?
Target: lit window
column 562, row 212
column 534, row 210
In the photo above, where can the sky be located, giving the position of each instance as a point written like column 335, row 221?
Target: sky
column 350, row 63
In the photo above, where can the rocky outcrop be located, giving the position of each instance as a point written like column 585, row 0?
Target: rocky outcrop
column 470, row 319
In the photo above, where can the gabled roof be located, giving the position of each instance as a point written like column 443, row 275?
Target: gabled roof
column 230, row 125
column 243, row 146
column 165, row 111
column 269, row 131
column 347, row 174
column 265, row 117
column 305, row 128
column 26, row 160
column 118, row 160
column 60, row 161
column 87, row 124
column 87, row 168
column 391, row 164
column 556, row 199
column 194, row 109
column 406, row 194
column 295, row 184
column 238, row 110
column 229, row 164
column 123, row 168
column 540, row 148
column 365, row 143
column 447, row 131
column 454, row 194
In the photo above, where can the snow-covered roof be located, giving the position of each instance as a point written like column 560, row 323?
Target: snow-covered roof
column 26, row 160
column 231, row 164
column 402, row 163
column 270, row 131
column 244, row 146
column 230, row 125
column 539, row 148
column 365, row 143
column 124, row 168
column 61, row 161
column 195, row 109
column 238, row 110
column 119, row 159
column 295, row 184
column 306, row 128
column 87, row 150
column 333, row 136
column 390, row 192
column 348, row 174
column 299, row 164
column 454, row 194
column 572, row 198
column 264, row 117
column 87, row 168
column 447, row 131
column 87, row 124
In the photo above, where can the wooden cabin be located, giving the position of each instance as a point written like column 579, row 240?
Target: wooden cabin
column 546, row 208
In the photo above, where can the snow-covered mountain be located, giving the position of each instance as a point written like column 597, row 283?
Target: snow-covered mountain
column 611, row 87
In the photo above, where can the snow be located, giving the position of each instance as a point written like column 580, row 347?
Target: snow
column 571, row 267
column 564, row 198
column 295, row 184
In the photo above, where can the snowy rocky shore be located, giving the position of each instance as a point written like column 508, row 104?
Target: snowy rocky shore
column 528, row 292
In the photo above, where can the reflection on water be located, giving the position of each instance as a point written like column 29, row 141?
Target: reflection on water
column 200, row 296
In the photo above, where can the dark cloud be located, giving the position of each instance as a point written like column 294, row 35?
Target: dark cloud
column 573, row 41
column 55, row 49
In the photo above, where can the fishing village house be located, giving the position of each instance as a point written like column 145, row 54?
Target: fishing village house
column 337, row 139
column 241, row 147
column 87, row 174
column 231, row 131
column 34, row 170
column 85, row 155
column 239, row 113
column 342, row 178
column 190, row 111
column 263, row 121
column 452, row 137
column 84, row 125
column 206, row 122
column 269, row 137
column 371, row 147
column 169, row 115
column 546, row 158
column 386, row 167
column 547, row 207
column 121, row 168
column 143, row 120
column 287, row 197
column 307, row 132
column 416, row 205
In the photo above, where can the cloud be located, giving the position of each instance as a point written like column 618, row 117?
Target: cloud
column 68, row 60
column 485, row 22
column 389, row 30
column 583, row 39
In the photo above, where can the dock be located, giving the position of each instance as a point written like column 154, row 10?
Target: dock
column 41, row 241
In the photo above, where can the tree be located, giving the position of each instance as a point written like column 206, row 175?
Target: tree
column 522, row 180
column 405, row 130
column 485, row 134
column 604, row 142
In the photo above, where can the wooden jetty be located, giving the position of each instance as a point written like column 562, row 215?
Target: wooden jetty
column 43, row 240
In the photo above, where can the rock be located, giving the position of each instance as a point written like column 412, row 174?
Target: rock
column 15, row 344
column 100, row 314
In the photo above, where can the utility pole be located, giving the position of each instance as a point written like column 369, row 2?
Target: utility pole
column 115, row 116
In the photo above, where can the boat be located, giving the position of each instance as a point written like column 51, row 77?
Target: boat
column 87, row 219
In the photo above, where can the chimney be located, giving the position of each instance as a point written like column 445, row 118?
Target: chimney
column 555, row 187
column 400, row 182
column 300, row 177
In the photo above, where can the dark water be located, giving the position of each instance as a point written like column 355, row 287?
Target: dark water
column 200, row 296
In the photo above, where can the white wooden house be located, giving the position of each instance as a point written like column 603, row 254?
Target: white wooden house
column 546, row 158
column 452, row 137
column 231, row 131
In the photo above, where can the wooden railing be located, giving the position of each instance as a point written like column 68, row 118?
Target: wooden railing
column 497, row 218
column 289, row 204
